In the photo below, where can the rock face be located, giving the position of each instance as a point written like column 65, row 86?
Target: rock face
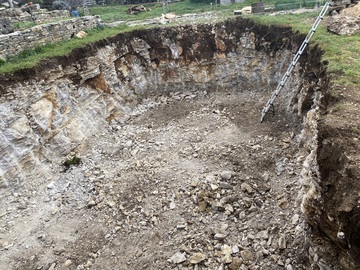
column 49, row 113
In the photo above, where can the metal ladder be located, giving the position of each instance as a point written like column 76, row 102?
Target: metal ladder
column 294, row 61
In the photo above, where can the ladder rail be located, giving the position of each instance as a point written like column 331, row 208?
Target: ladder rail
column 296, row 58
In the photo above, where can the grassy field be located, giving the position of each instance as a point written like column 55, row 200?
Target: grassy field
column 340, row 51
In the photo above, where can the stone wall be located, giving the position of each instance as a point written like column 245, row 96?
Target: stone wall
column 16, row 42
column 16, row 15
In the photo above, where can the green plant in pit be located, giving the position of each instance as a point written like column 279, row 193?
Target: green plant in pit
column 355, row 130
column 339, row 107
column 74, row 161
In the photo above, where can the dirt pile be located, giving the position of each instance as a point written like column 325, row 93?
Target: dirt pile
column 347, row 22
column 351, row 11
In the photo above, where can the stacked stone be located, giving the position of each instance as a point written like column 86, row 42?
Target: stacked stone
column 16, row 42
column 39, row 15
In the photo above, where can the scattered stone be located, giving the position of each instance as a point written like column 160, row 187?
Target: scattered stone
column 226, row 175
column 246, row 187
column 194, row 183
column 236, row 263
column 81, row 34
column 247, row 256
column 54, row 210
column 170, row 15
column 172, row 205
column 91, row 203
column 224, row 185
column 219, row 236
column 282, row 243
column 202, row 206
column 197, row 258
column 6, row 245
column 52, row 266
column 266, row 177
column 283, row 203
column 226, row 259
column 138, row 253
column 235, row 249
column 264, row 235
column 295, row 219
column 181, row 226
column 111, row 204
column 51, row 185
column 226, row 250
column 67, row 263
column 228, row 207
column 178, row 257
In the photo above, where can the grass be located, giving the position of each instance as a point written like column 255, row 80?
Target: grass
column 355, row 130
column 340, row 51
column 30, row 58
column 23, row 25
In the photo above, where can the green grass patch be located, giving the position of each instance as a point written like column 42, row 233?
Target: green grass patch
column 23, row 25
column 342, row 52
column 295, row 4
column 116, row 13
column 30, row 58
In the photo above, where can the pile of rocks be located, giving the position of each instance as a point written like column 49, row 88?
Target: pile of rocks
column 347, row 22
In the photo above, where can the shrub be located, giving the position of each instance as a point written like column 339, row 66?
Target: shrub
column 72, row 161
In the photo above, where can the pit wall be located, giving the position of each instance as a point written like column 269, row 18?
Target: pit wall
column 48, row 112
column 16, row 42
column 329, row 195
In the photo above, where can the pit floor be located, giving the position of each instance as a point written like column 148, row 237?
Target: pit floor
column 189, row 181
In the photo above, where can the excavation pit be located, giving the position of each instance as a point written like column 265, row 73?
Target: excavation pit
column 176, row 170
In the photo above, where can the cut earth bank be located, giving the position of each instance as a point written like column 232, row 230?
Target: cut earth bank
column 176, row 171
